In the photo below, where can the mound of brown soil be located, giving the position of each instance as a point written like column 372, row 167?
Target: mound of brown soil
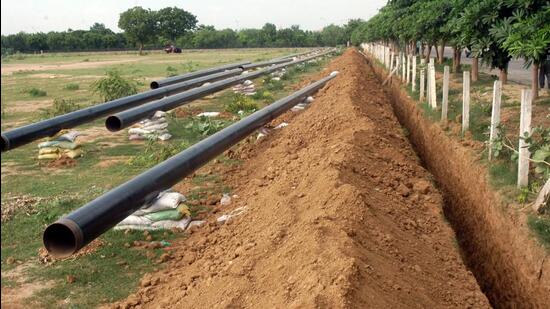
column 338, row 213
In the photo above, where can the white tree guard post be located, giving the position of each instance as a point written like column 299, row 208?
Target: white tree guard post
column 433, row 88
column 414, row 74
column 445, row 98
column 495, row 115
column 544, row 196
column 466, row 101
column 422, row 82
column 391, row 61
column 524, row 128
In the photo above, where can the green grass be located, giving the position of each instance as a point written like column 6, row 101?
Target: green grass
column 100, row 277
column 541, row 228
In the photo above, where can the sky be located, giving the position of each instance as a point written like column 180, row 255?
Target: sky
column 59, row 15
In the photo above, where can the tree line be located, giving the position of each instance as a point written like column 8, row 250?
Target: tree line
column 495, row 31
column 145, row 28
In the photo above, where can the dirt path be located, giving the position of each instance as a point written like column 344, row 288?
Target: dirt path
column 339, row 214
column 8, row 69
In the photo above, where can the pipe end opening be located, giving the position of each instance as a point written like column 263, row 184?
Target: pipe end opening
column 154, row 85
column 60, row 240
column 5, row 144
column 113, row 123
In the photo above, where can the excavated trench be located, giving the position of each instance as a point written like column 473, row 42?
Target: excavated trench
column 511, row 269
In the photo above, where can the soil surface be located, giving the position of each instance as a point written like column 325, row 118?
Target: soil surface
column 338, row 213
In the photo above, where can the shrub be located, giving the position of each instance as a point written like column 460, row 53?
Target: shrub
column 204, row 126
column 273, row 85
column 156, row 153
column 171, row 71
column 71, row 86
column 114, row 86
column 240, row 102
column 35, row 92
column 59, row 107
column 263, row 95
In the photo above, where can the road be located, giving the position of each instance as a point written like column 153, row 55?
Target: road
column 516, row 70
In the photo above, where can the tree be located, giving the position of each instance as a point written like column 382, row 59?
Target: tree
column 138, row 25
column 333, row 35
column 269, row 35
column 174, row 22
column 526, row 34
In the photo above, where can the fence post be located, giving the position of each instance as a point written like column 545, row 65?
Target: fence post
column 414, row 74
column 391, row 61
column 408, row 69
column 466, row 101
column 433, row 88
column 495, row 115
column 445, row 98
column 524, row 128
column 422, row 79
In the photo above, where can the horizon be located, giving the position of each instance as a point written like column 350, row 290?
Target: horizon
column 31, row 17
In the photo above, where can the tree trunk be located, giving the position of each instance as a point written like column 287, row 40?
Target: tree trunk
column 421, row 50
column 475, row 69
column 503, row 76
column 140, row 49
column 436, row 52
column 428, row 53
column 535, row 81
column 456, row 59
column 441, row 53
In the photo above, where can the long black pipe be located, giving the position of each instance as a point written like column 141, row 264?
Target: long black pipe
column 265, row 63
column 128, row 117
column 26, row 134
column 192, row 75
column 67, row 235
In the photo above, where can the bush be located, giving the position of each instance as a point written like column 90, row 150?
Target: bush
column 35, row 92
column 60, row 107
column 156, row 153
column 263, row 95
column 204, row 126
column 114, row 86
column 240, row 102
column 171, row 71
column 273, row 85
column 71, row 86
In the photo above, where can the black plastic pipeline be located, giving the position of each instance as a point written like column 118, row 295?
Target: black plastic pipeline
column 67, row 235
column 265, row 63
column 128, row 117
column 192, row 75
column 26, row 134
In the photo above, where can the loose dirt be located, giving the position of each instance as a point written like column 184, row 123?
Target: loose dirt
column 338, row 213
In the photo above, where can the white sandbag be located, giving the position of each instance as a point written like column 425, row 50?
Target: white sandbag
column 148, row 122
column 225, row 200
column 276, row 78
column 247, row 82
column 133, row 227
column 165, row 136
column 209, row 114
column 168, row 224
column 155, row 127
column 158, row 114
column 135, row 220
column 139, row 131
column 136, row 137
column 281, row 125
column 309, row 99
column 164, row 201
column 236, row 212
column 69, row 137
column 196, row 223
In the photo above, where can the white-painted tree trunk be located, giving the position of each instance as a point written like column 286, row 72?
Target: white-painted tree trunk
column 414, row 74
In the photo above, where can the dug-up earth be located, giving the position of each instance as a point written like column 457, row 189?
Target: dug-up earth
column 339, row 213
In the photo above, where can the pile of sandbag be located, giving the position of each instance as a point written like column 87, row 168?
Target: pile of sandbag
column 154, row 128
column 62, row 145
column 166, row 211
column 246, row 88
column 277, row 75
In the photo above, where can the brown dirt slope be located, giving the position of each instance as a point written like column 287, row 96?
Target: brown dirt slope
column 339, row 214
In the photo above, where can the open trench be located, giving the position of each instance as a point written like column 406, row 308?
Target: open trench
column 511, row 268
column 337, row 211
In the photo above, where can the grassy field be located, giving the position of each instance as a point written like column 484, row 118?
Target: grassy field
column 35, row 194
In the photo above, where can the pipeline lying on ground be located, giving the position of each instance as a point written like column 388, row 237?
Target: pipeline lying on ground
column 192, row 75
column 69, row 234
column 265, row 63
column 26, row 134
column 128, row 117
column 23, row 135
